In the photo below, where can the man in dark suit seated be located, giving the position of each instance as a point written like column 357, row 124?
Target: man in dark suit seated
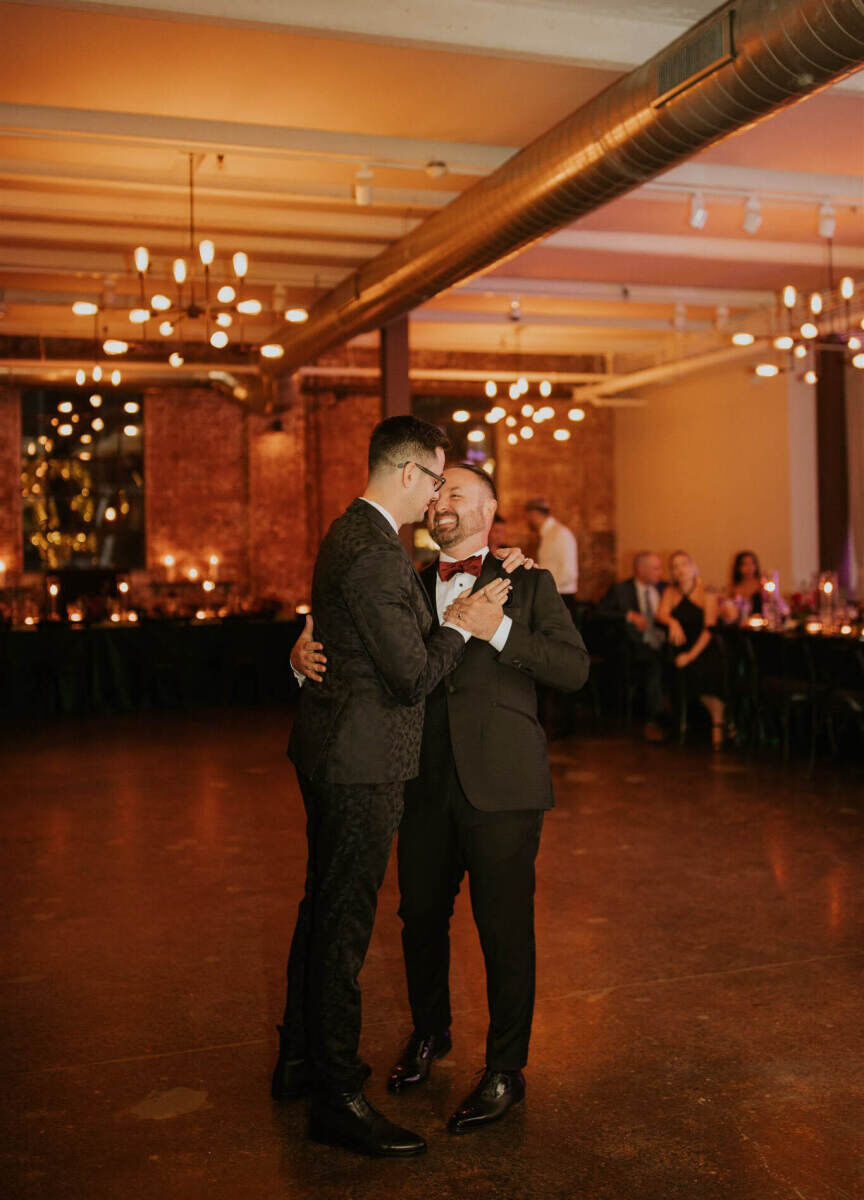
column 629, row 609
column 355, row 741
column 477, row 805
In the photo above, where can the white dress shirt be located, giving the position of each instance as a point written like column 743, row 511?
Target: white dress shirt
column 463, row 581
column 383, row 511
column 557, row 553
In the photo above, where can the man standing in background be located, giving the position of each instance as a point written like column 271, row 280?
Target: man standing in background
column 557, row 552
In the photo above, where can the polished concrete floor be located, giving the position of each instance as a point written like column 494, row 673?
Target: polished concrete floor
column 699, row 1028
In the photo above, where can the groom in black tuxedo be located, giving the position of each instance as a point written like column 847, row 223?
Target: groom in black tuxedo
column 477, row 804
column 355, row 741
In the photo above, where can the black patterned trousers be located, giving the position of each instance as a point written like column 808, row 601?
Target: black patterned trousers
column 349, row 831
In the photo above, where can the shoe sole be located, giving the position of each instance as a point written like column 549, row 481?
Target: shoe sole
column 460, row 1129
column 325, row 1138
column 407, row 1084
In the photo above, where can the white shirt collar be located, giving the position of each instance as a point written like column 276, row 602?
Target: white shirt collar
column 449, row 557
column 383, row 511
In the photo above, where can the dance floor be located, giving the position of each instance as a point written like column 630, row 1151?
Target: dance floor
column 698, row 1032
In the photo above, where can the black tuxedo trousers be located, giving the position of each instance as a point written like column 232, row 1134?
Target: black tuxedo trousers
column 440, row 838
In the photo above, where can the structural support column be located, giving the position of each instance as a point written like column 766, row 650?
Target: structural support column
column 395, row 359
column 833, row 465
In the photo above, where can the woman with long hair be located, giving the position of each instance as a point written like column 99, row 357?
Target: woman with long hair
column 689, row 611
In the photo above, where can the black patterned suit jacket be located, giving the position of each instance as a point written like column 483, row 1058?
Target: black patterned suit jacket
column 485, row 709
column 385, row 652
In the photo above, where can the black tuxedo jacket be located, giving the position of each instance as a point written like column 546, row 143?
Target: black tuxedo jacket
column 618, row 601
column 385, row 652
column 485, row 709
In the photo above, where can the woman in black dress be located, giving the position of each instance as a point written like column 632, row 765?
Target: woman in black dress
column 689, row 611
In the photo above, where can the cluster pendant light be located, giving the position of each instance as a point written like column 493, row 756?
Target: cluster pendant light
column 533, row 417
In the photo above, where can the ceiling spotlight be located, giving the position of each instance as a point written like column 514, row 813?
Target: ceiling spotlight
column 514, row 312
column 272, row 350
column 476, row 435
column 491, row 389
column 743, row 339
column 767, row 370
column 827, row 220
column 249, row 308
column 363, row 187
column 526, row 432
column 576, row 414
column 545, row 388
column 847, row 287
column 296, row 316
column 789, row 296
column 460, row 416
column 809, row 330
column 752, row 215
column 80, row 377
column 226, row 294
column 784, row 342
column 175, row 359
column 436, row 169
column 85, row 308
column 142, row 259
column 561, row 435
column 219, row 339
column 698, row 211
column 160, row 303
column 113, row 346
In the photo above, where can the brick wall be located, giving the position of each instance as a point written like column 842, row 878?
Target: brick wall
column 576, row 478
column 338, row 429
column 196, row 472
column 10, row 478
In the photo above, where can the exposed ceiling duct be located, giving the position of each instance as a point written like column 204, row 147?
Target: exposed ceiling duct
column 734, row 68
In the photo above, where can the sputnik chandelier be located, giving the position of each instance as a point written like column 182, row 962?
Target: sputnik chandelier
column 804, row 323
column 194, row 298
column 523, row 418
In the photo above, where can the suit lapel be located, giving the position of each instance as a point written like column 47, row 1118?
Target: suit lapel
column 490, row 570
column 429, row 579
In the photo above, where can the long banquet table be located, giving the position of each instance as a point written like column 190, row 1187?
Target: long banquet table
column 57, row 668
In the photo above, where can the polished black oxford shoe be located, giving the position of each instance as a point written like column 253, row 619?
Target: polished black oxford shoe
column 350, row 1120
column 494, row 1095
column 416, row 1059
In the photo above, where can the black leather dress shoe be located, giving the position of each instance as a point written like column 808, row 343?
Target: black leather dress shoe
column 416, row 1059
column 351, row 1121
column 494, row 1095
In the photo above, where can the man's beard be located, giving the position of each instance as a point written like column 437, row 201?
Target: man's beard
column 452, row 535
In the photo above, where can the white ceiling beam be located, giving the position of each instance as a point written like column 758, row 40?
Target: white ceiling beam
column 635, row 293
column 785, row 187
column 561, row 320
column 191, row 134
column 697, row 246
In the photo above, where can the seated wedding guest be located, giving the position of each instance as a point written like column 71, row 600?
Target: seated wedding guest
column 689, row 612
column 746, row 596
column 632, row 606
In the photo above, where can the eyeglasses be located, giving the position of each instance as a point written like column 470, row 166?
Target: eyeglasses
column 440, row 480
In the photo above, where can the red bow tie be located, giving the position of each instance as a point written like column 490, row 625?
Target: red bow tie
column 471, row 566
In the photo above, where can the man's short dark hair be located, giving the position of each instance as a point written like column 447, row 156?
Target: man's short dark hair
column 479, row 472
column 404, row 439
